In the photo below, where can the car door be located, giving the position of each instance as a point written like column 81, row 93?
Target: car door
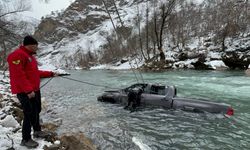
column 154, row 99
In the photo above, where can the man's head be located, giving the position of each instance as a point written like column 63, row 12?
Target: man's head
column 30, row 43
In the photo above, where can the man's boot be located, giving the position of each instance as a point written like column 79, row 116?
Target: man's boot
column 29, row 143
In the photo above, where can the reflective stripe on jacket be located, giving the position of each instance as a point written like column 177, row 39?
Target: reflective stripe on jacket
column 24, row 73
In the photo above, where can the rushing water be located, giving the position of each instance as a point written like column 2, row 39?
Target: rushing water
column 113, row 128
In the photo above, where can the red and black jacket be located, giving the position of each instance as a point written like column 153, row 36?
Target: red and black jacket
column 24, row 73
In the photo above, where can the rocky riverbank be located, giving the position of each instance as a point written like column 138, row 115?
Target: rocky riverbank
column 11, row 117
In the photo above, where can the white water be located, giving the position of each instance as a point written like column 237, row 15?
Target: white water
column 140, row 144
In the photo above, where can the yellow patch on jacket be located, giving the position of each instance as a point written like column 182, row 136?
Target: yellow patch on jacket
column 16, row 62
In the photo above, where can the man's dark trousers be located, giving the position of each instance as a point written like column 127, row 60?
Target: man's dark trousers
column 31, row 109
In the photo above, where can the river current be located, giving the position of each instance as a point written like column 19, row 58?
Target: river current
column 152, row 128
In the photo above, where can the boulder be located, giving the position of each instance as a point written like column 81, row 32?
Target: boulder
column 236, row 60
column 9, row 121
column 18, row 113
column 75, row 141
column 183, row 56
column 200, row 63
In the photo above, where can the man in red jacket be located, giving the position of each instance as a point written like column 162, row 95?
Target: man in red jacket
column 25, row 82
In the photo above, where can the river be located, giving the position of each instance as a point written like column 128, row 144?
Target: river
column 113, row 128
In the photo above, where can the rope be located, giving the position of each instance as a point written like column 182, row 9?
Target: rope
column 133, row 71
column 84, row 82
column 139, row 71
column 46, row 82
column 79, row 81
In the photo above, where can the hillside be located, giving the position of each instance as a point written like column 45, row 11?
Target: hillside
column 196, row 34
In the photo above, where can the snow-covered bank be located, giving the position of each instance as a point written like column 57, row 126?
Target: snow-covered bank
column 10, row 129
column 126, row 64
column 11, row 117
column 203, row 55
column 133, row 64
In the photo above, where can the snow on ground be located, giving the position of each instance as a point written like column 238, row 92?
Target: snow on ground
column 40, row 8
column 131, row 64
column 124, row 66
column 185, row 64
column 8, row 124
column 194, row 44
column 93, row 40
column 10, row 129
column 214, row 55
column 216, row 64
column 7, row 136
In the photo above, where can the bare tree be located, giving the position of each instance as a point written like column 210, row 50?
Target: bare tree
column 107, row 10
column 147, row 32
column 165, row 11
column 116, row 9
column 230, row 20
column 139, row 31
column 182, row 25
column 9, row 36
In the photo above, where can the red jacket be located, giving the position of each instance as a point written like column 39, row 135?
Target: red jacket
column 24, row 73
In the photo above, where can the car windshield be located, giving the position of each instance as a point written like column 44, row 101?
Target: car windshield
column 139, row 85
column 147, row 88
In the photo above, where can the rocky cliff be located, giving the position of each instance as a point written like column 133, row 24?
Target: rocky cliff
column 84, row 34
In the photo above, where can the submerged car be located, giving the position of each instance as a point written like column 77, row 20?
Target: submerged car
column 164, row 96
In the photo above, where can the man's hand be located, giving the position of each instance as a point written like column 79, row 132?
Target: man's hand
column 31, row 95
column 55, row 74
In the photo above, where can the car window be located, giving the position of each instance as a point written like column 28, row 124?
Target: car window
column 159, row 90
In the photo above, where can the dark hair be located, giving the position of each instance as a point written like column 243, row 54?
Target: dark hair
column 29, row 40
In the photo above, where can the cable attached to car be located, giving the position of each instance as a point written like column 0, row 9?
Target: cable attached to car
column 84, row 82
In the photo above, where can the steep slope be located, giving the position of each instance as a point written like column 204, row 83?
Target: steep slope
column 197, row 35
column 82, row 27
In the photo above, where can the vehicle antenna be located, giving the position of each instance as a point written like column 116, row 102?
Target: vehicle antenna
column 133, row 71
column 139, row 71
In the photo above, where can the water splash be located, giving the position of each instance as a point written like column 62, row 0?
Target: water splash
column 139, row 143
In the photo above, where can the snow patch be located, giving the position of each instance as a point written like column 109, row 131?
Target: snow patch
column 215, row 64
column 9, row 121
column 133, row 64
